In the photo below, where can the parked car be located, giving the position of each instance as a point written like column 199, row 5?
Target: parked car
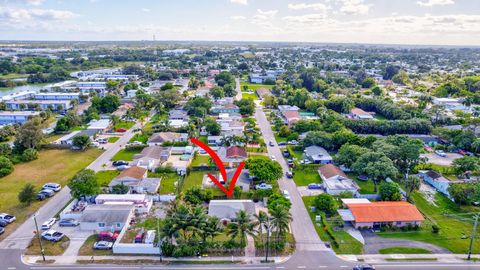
column 103, row 245
column 94, row 144
column 282, row 143
column 3, row 223
column 292, row 142
column 7, row 218
column 314, row 186
column 48, row 224
column 122, row 167
column 121, row 130
column 272, row 157
column 263, row 186
column 52, row 235
column 364, row 267
column 2, row 230
column 41, row 196
column 271, row 143
column 46, row 192
column 68, row 223
column 102, row 141
column 289, row 175
column 286, row 194
column 305, row 161
column 52, row 186
column 202, row 152
column 119, row 163
column 286, row 153
column 135, row 143
column 107, row 236
column 440, row 153
column 461, row 152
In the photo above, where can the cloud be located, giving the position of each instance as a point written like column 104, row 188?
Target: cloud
column 28, row 2
column 265, row 19
column 306, row 20
column 146, row 9
column 314, row 6
column 20, row 14
column 431, row 3
column 238, row 18
column 240, row 2
column 354, row 7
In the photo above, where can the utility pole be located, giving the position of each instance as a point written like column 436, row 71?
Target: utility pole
column 473, row 237
column 159, row 241
column 38, row 236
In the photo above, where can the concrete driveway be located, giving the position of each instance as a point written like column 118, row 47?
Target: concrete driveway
column 444, row 161
column 304, row 191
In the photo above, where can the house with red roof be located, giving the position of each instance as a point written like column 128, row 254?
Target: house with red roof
column 291, row 117
column 377, row 214
column 232, row 156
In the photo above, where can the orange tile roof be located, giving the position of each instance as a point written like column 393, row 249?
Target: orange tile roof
column 385, row 212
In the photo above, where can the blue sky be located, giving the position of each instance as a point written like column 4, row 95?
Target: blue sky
column 449, row 22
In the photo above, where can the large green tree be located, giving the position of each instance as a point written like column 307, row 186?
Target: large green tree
column 263, row 169
column 376, row 166
column 84, row 183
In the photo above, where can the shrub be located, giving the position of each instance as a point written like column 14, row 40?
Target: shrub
column 29, row 155
column 6, row 166
column 435, row 229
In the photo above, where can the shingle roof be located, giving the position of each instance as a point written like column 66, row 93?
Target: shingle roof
column 235, row 151
column 385, row 212
column 331, row 170
column 227, row 209
column 106, row 213
column 133, row 172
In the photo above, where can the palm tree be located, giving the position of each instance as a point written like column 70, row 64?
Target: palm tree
column 281, row 218
column 242, row 227
column 261, row 219
column 211, row 229
column 198, row 220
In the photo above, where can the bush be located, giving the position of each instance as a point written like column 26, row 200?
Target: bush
column 6, row 166
column 435, row 229
column 29, row 155
column 27, row 194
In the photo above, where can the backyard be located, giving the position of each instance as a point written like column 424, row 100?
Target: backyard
column 167, row 184
column 455, row 223
column 198, row 160
column 105, row 177
column 51, row 166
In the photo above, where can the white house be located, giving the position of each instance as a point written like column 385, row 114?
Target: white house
column 335, row 181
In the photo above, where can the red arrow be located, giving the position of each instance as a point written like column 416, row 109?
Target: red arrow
column 218, row 161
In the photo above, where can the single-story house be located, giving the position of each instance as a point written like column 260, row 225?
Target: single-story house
column 285, row 108
column 141, row 203
column 136, row 179
column 438, row 181
column 133, row 173
column 106, row 217
column 178, row 114
column 227, row 209
column 291, row 117
column 244, row 180
column 162, row 137
column 100, row 125
column 357, row 113
column 318, row 155
column 152, row 157
column 262, row 92
column 377, row 214
column 335, row 181
column 68, row 139
column 232, row 156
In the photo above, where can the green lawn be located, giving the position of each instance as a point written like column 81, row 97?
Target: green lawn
column 249, row 96
column 404, row 250
column 50, row 248
column 113, row 139
column 200, row 159
column 366, row 187
column 278, row 138
column 455, row 224
column 105, row 177
column 305, row 177
column 254, row 87
column 126, row 154
column 51, row 166
column 13, row 76
column 195, row 178
column 346, row 243
column 167, row 184
column 124, row 124
column 296, row 154
column 139, row 137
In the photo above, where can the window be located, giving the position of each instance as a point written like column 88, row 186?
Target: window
column 119, row 225
column 399, row 222
column 101, row 225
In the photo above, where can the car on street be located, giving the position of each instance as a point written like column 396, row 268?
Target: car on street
column 103, row 245
column 68, row 223
column 271, row 143
column 7, row 218
column 440, row 153
column 52, row 186
column 263, row 186
column 119, row 163
column 282, row 143
column 286, row 194
column 52, row 235
column 46, row 192
column 48, row 224
column 286, row 153
column 289, row 175
column 272, row 157
column 364, row 267
column 121, row 130
column 314, row 186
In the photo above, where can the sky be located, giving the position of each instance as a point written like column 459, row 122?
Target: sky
column 429, row 22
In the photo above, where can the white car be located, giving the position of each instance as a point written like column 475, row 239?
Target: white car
column 263, row 186
column 7, row 218
column 286, row 194
column 48, row 224
column 52, row 186
column 440, row 153
column 103, row 245
column 272, row 157
column 52, row 235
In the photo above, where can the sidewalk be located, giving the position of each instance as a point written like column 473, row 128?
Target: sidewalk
column 66, row 260
column 384, row 258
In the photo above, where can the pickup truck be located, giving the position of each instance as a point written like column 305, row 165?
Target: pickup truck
column 52, row 235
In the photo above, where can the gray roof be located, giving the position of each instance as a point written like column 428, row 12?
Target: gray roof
column 227, row 209
column 106, row 213
column 317, row 153
column 150, row 185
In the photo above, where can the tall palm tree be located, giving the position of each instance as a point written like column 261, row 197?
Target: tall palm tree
column 212, row 228
column 261, row 219
column 242, row 227
column 198, row 220
column 281, row 218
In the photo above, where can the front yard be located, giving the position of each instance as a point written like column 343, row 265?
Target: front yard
column 87, row 248
column 306, row 174
column 50, row 248
column 456, row 225
column 126, row 154
column 51, row 166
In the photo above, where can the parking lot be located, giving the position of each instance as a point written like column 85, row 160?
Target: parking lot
column 438, row 160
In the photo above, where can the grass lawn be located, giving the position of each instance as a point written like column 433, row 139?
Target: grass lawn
column 249, row 96
column 194, row 179
column 113, row 139
column 366, row 187
column 143, row 138
column 200, row 159
column 52, row 137
column 167, row 185
column 105, row 177
column 13, row 76
column 51, row 166
column 87, row 248
column 404, row 250
column 346, row 243
column 296, row 154
column 305, row 177
column 254, row 87
column 258, row 156
column 50, row 248
column 455, row 224
column 257, row 149
column 278, row 138
column 126, row 154
column 124, row 124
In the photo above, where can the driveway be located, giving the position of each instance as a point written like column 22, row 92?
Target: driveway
column 304, row 191
column 444, row 161
column 373, row 243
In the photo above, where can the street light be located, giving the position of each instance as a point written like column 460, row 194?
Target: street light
column 38, row 236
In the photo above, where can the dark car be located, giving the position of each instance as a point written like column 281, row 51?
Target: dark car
column 289, row 175
column 364, row 267
column 314, row 186
column 68, row 223
column 41, row 196
column 46, row 192
column 286, row 153
column 3, row 223
column 282, row 143
column 120, row 163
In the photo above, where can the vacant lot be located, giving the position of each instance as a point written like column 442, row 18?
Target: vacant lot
column 305, row 176
column 51, row 166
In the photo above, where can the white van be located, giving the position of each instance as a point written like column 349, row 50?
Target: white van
column 52, row 186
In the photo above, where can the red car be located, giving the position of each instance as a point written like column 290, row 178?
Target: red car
column 121, row 130
column 461, row 152
column 107, row 236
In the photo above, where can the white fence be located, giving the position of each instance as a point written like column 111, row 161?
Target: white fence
column 123, row 248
